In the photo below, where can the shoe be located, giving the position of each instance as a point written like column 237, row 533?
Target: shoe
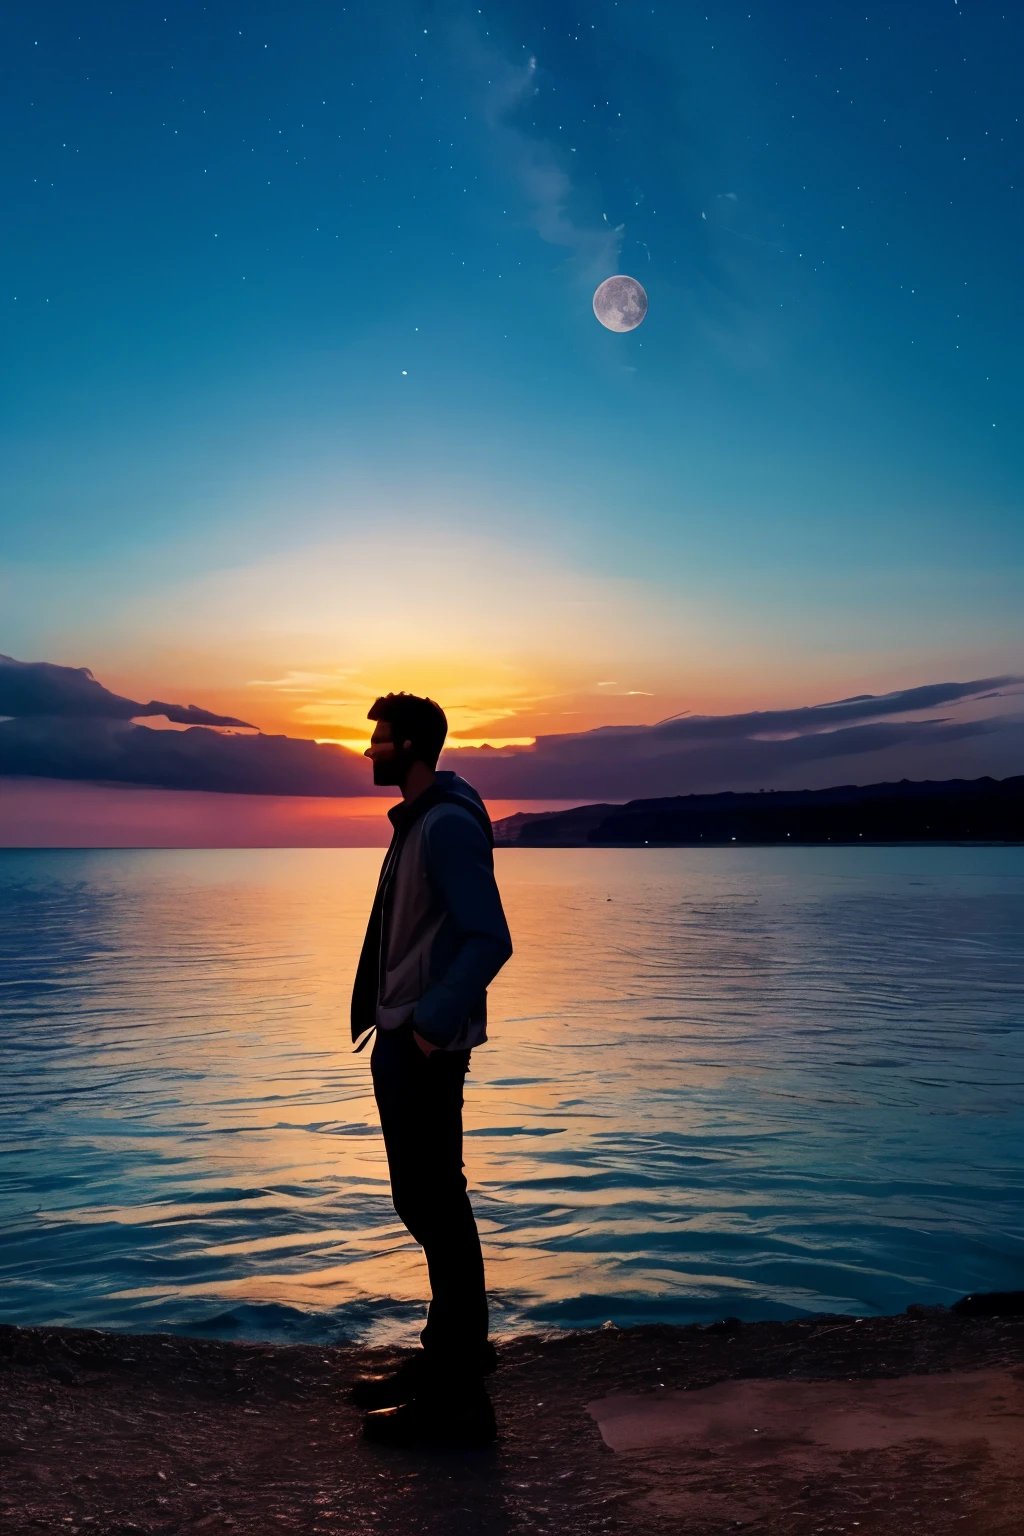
column 435, row 1424
column 394, row 1390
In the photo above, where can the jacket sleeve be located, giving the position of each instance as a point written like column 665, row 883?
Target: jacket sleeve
column 460, row 868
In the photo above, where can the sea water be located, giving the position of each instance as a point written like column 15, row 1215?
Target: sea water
column 760, row 1082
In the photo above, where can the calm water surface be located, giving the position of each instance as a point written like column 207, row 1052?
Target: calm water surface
column 761, row 1082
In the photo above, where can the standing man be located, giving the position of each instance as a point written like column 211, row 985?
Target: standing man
column 437, row 937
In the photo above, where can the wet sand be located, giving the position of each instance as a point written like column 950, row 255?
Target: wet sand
column 920, row 1432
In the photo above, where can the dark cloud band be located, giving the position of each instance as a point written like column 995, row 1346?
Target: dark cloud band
column 66, row 725
column 43, row 688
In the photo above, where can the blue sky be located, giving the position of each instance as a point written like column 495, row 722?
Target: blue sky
column 295, row 305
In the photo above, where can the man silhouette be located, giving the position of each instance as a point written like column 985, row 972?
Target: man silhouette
column 437, row 937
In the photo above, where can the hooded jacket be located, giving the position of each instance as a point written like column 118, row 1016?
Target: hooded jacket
column 437, row 934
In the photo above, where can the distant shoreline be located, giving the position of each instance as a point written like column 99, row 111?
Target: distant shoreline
column 970, row 842
column 994, row 842
column 952, row 813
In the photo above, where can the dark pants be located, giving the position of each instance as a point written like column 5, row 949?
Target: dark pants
column 420, row 1102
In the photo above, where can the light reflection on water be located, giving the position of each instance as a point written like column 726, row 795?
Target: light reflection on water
column 749, row 1081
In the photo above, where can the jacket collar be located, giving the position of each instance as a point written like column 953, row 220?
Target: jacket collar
column 402, row 815
column 407, row 812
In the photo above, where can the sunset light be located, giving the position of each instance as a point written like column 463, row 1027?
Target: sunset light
column 512, row 768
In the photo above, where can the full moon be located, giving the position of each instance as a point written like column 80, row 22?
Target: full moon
column 620, row 303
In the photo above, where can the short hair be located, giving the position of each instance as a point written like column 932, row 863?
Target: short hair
column 420, row 721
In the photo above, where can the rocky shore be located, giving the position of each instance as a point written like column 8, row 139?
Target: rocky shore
column 117, row 1435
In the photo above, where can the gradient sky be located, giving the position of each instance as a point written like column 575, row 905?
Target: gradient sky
column 303, row 396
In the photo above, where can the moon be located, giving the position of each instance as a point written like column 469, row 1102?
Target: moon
column 620, row 303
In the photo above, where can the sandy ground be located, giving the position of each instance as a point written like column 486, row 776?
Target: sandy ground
column 911, row 1426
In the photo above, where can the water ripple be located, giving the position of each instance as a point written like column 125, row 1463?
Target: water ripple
column 764, row 1082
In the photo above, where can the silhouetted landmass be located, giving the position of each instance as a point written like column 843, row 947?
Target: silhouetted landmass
column 956, row 811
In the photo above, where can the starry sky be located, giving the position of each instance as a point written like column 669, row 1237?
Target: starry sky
column 303, row 397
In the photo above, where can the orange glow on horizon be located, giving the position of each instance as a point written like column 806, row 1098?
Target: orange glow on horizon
column 513, row 643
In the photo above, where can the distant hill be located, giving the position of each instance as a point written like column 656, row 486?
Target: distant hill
column 956, row 811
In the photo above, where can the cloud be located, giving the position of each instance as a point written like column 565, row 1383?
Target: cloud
column 68, row 726
column 303, row 682
column 115, row 751
column 759, row 724
column 541, row 169
column 849, row 740
column 30, row 688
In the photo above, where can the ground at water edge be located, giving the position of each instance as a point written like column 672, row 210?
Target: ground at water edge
column 119, row 1435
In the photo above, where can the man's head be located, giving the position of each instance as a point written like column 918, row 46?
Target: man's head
column 408, row 730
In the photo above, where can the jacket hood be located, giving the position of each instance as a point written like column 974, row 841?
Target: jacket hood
column 453, row 784
column 446, row 786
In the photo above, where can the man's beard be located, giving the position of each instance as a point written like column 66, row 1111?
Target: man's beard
column 391, row 770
